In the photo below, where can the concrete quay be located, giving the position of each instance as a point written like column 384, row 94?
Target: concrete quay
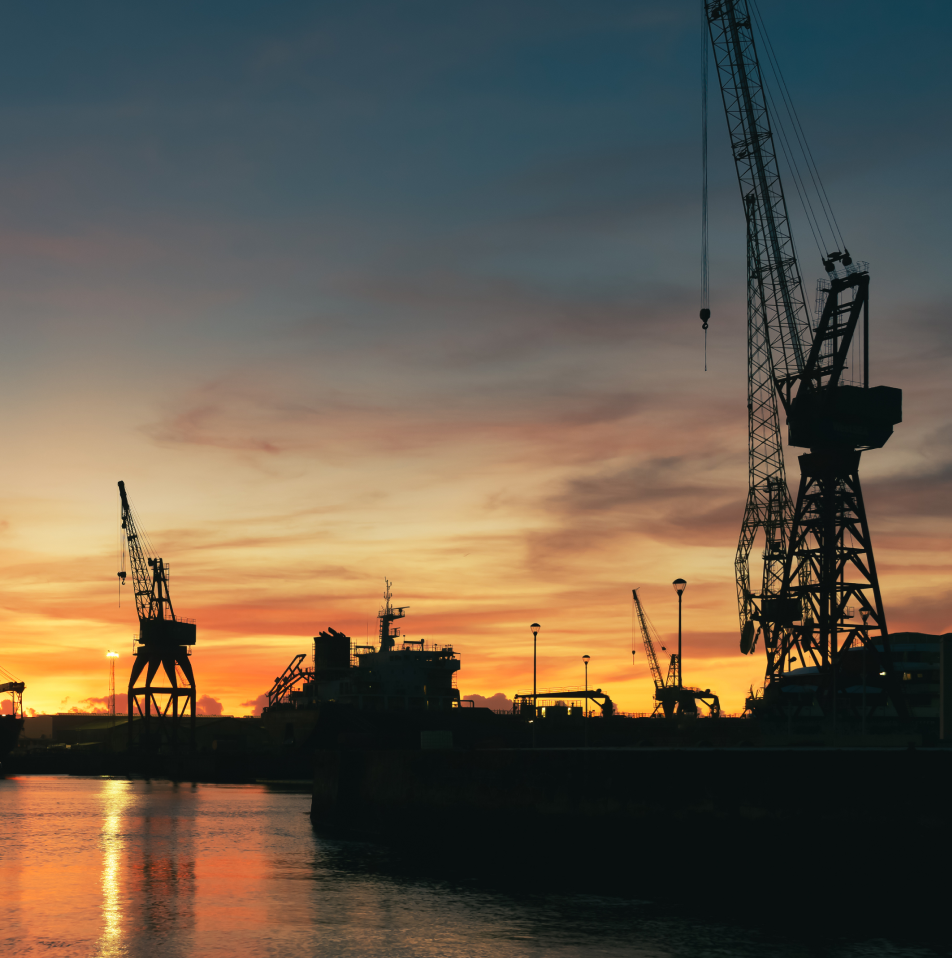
column 787, row 815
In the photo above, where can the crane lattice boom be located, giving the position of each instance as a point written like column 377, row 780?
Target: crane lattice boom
column 649, row 645
column 149, row 574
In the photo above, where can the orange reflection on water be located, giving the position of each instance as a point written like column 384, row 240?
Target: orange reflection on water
column 115, row 798
column 153, row 870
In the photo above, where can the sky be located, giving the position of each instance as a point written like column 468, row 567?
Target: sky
column 352, row 290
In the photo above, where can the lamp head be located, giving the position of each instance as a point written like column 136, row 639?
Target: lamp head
column 679, row 585
column 534, row 628
column 586, row 659
column 112, row 655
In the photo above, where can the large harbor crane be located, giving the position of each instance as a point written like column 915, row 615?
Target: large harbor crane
column 163, row 643
column 818, row 565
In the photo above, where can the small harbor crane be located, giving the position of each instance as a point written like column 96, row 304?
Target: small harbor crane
column 671, row 697
column 665, row 688
column 163, row 644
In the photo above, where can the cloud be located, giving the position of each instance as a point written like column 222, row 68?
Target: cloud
column 469, row 321
column 657, row 479
column 101, row 705
column 497, row 701
column 257, row 704
column 206, row 705
column 930, row 613
column 928, row 494
column 292, row 417
column 691, row 498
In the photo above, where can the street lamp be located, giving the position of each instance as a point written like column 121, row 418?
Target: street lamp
column 535, row 635
column 679, row 586
column 865, row 614
column 586, row 659
column 112, row 656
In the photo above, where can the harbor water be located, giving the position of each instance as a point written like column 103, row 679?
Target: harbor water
column 116, row 867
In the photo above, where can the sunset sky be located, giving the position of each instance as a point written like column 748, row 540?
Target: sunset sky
column 353, row 290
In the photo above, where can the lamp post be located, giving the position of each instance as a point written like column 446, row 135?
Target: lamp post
column 112, row 656
column 865, row 614
column 535, row 709
column 679, row 586
column 586, row 659
column 535, row 627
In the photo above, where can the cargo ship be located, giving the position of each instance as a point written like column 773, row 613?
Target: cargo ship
column 396, row 674
column 352, row 692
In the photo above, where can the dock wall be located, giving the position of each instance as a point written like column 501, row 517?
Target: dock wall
column 803, row 810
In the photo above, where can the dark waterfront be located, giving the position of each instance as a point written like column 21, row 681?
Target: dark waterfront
column 114, row 867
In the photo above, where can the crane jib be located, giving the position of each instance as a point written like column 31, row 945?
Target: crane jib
column 745, row 103
column 150, row 575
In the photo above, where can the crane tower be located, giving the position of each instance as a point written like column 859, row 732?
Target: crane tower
column 162, row 647
column 818, row 565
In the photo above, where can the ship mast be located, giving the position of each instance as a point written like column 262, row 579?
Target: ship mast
column 387, row 616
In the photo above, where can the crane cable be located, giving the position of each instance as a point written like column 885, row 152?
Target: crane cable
column 705, row 290
column 120, row 544
column 5, row 674
column 632, row 630
column 802, row 147
column 791, row 140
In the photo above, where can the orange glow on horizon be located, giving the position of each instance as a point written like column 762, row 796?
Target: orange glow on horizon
column 476, row 555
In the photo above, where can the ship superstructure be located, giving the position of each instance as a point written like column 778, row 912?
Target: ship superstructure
column 396, row 674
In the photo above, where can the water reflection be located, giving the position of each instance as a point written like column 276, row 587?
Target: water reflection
column 115, row 868
column 147, row 874
column 115, row 799
column 163, row 869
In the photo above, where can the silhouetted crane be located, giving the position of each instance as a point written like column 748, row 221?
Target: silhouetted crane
column 818, row 557
column 670, row 696
column 163, row 642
